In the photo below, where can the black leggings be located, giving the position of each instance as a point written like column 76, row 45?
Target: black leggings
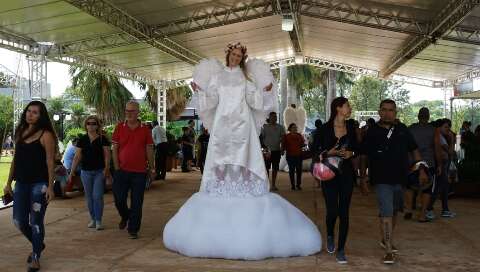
column 338, row 193
column 295, row 167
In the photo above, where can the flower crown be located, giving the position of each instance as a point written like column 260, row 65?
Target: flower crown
column 236, row 45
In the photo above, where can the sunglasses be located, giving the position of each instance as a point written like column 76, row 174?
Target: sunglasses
column 131, row 111
column 91, row 123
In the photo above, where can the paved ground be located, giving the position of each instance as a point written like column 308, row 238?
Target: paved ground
column 444, row 245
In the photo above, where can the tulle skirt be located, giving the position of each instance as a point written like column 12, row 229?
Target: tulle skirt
column 248, row 228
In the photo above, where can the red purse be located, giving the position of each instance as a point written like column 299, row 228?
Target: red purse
column 326, row 169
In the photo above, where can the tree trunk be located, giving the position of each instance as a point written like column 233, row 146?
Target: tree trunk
column 331, row 91
column 292, row 95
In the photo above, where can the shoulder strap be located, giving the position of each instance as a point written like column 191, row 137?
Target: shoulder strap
column 40, row 135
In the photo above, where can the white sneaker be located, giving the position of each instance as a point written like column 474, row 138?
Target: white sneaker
column 99, row 226
column 91, row 224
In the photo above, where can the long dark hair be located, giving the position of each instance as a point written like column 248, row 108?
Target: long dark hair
column 337, row 102
column 43, row 123
column 242, row 63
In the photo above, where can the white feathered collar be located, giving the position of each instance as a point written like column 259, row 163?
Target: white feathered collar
column 231, row 70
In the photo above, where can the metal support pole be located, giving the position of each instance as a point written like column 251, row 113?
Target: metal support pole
column 451, row 108
column 331, row 92
column 283, row 91
column 444, row 102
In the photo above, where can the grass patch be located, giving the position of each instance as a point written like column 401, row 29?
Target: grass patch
column 4, row 170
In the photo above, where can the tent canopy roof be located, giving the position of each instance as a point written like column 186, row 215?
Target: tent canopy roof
column 428, row 42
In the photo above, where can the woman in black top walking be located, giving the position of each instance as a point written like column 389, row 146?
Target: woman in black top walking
column 338, row 138
column 93, row 152
column 33, row 171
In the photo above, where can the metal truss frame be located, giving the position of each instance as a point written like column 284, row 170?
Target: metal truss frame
column 12, row 80
column 217, row 17
column 282, row 62
column 7, row 78
column 37, row 71
column 112, row 15
column 31, row 48
column 327, row 64
column 335, row 10
column 93, row 44
column 463, row 78
column 134, row 31
column 451, row 15
column 344, row 12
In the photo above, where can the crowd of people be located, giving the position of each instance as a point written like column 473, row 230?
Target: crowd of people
column 402, row 164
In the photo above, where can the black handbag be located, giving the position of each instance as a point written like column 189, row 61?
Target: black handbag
column 7, row 198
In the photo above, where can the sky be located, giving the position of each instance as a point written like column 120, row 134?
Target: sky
column 58, row 77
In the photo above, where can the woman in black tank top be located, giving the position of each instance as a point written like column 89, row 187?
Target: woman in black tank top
column 33, row 171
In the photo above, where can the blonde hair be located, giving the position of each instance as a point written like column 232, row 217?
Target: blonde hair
column 99, row 123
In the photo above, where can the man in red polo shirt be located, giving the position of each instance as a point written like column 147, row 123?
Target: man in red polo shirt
column 133, row 160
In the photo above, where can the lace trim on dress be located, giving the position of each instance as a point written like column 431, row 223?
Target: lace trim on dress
column 235, row 181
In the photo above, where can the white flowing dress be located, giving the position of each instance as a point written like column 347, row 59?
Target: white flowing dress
column 234, row 216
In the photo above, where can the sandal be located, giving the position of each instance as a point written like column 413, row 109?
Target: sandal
column 34, row 269
column 29, row 259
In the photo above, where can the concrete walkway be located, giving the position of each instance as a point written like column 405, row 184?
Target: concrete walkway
column 444, row 245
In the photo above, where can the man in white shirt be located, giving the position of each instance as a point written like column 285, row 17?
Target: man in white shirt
column 159, row 136
column 272, row 135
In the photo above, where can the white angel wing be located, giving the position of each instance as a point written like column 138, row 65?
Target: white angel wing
column 204, row 71
column 289, row 116
column 260, row 73
column 301, row 119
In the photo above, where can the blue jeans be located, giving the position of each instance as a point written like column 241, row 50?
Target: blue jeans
column 123, row 182
column 29, row 207
column 390, row 199
column 93, row 184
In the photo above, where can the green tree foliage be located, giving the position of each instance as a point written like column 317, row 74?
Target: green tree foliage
column 73, row 133
column 367, row 93
column 106, row 93
column 177, row 99
column 410, row 112
column 6, row 115
column 3, row 81
column 311, row 84
column 56, row 105
column 146, row 113
column 314, row 102
column 306, row 77
column 79, row 113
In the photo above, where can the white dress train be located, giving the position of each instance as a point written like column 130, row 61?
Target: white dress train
column 234, row 216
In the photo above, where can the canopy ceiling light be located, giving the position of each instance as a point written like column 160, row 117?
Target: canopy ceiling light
column 299, row 59
column 287, row 23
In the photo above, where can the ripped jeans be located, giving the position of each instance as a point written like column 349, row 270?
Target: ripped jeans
column 29, row 206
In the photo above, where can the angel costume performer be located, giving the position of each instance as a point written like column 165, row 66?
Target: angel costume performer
column 234, row 216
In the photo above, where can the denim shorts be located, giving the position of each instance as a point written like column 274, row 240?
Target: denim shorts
column 390, row 199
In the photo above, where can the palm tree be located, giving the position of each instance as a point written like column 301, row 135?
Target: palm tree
column 106, row 93
column 304, row 79
column 177, row 99
column 78, row 114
